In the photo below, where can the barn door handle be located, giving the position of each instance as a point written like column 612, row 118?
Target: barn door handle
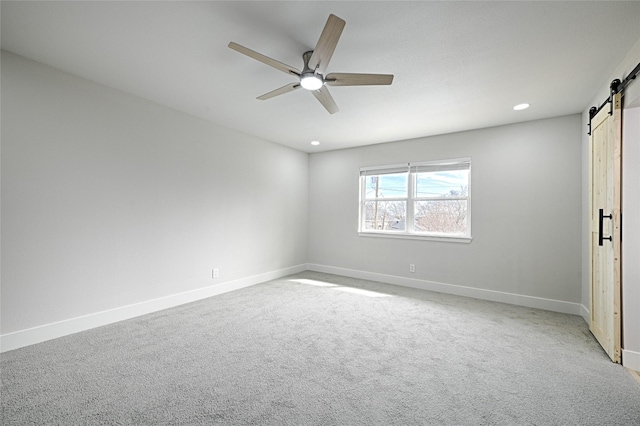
column 600, row 236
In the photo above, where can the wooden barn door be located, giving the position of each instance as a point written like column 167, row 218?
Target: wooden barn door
column 605, row 177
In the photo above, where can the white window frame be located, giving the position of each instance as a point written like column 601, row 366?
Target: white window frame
column 412, row 169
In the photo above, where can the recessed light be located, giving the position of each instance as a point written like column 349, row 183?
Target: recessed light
column 520, row 107
column 315, row 143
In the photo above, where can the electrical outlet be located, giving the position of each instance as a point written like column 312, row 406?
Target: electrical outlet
column 412, row 267
column 215, row 273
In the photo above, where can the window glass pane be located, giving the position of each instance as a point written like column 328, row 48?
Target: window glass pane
column 441, row 216
column 450, row 183
column 385, row 215
column 386, row 186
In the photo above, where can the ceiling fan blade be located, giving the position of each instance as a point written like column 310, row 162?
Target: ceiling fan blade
column 281, row 91
column 348, row 79
column 326, row 44
column 264, row 59
column 326, row 99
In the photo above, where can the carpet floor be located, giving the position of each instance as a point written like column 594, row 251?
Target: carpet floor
column 320, row 349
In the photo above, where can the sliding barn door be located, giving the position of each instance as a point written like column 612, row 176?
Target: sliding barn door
column 605, row 173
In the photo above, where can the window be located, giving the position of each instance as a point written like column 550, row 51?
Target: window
column 429, row 200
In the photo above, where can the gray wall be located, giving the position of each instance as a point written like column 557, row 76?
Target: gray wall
column 526, row 210
column 109, row 200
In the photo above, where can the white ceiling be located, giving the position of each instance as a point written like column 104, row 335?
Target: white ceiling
column 457, row 65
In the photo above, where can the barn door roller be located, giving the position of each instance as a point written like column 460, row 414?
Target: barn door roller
column 617, row 86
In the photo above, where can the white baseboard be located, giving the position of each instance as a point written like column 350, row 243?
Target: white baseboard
column 477, row 293
column 45, row 332
column 631, row 359
column 586, row 315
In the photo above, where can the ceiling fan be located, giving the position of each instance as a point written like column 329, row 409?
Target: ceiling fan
column 315, row 62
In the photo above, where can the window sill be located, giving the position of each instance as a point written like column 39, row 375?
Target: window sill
column 448, row 239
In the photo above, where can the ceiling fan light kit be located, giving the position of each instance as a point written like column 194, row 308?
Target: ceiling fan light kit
column 311, row 82
column 315, row 65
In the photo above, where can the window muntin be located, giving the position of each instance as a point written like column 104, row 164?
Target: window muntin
column 429, row 199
